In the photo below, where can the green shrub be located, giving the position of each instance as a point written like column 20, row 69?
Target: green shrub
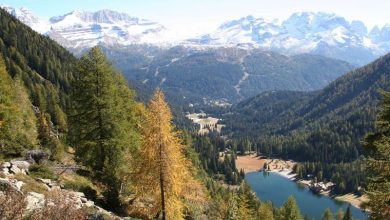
column 30, row 184
column 41, row 171
column 80, row 184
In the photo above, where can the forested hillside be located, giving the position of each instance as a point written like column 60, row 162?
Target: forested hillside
column 44, row 68
column 322, row 127
column 203, row 76
column 342, row 113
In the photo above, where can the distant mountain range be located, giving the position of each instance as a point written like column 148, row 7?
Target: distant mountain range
column 194, row 76
column 190, row 75
column 80, row 29
column 304, row 32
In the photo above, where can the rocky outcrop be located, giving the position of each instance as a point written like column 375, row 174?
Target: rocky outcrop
column 36, row 200
column 15, row 167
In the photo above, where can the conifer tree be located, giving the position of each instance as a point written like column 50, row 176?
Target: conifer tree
column 163, row 171
column 265, row 211
column 378, row 163
column 233, row 208
column 102, row 120
column 348, row 214
column 340, row 214
column 327, row 215
column 290, row 210
column 244, row 210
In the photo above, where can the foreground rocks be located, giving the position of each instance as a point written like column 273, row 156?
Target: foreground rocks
column 35, row 200
column 15, row 167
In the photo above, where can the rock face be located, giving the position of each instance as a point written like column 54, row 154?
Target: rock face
column 35, row 201
column 21, row 164
column 15, row 170
column 15, row 167
column 6, row 165
column 19, row 185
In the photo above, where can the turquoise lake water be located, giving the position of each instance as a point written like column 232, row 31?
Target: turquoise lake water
column 273, row 187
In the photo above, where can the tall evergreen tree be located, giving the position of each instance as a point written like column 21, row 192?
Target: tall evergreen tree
column 348, row 214
column 378, row 164
column 102, row 119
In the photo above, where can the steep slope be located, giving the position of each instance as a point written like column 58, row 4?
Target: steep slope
column 44, row 66
column 224, row 74
column 323, row 126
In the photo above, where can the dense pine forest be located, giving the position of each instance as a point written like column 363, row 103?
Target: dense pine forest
column 136, row 156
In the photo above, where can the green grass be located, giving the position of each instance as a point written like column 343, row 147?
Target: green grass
column 81, row 184
column 42, row 171
column 30, row 184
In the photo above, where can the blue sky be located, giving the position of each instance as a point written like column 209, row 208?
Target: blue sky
column 197, row 16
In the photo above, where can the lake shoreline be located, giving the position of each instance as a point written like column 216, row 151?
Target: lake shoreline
column 253, row 163
column 352, row 199
column 277, row 187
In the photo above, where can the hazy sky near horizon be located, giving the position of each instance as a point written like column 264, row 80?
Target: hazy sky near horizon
column 201, row 16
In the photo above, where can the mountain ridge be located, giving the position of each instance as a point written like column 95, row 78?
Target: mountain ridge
column 304, row 32
column 321, row 33
column 227, row 74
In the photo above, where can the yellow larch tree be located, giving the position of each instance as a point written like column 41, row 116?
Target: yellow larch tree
column 163, row 175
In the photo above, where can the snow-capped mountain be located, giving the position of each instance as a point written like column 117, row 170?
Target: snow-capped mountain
column 304, row 32
column 81, row 29
column 87, row 29
column 28, row 18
